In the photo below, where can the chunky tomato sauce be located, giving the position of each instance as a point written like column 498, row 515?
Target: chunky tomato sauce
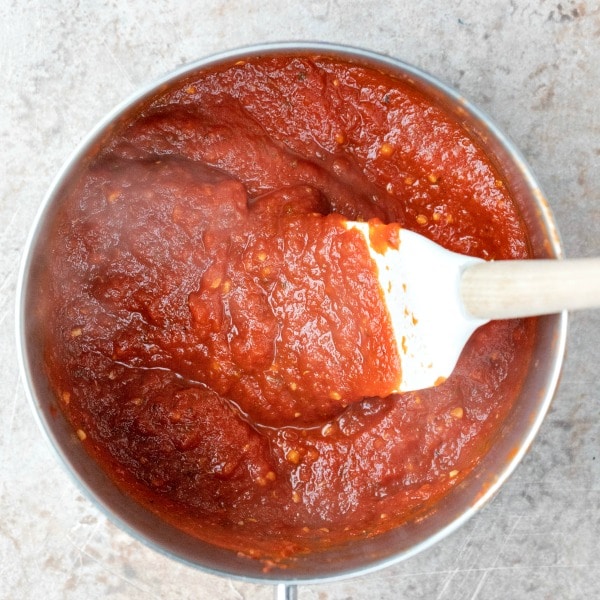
column 216, row 337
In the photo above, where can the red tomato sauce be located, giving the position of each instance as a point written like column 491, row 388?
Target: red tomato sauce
column 201, row 335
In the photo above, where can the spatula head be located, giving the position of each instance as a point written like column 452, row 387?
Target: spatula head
column 420, row 281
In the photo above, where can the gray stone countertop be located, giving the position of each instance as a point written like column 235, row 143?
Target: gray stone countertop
column 532, row 65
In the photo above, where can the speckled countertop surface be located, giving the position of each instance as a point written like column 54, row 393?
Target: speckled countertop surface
column 533, row 65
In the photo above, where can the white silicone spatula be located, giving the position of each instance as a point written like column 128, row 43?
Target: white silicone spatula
column 437, row 298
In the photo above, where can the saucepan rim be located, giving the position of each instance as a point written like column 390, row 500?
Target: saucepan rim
column 339, row 50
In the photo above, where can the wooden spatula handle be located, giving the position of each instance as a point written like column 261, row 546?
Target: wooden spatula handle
column 521, row 288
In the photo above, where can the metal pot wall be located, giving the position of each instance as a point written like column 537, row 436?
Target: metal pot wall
column 361, row 556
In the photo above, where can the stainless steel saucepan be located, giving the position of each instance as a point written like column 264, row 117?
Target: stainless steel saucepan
column 361, row 556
